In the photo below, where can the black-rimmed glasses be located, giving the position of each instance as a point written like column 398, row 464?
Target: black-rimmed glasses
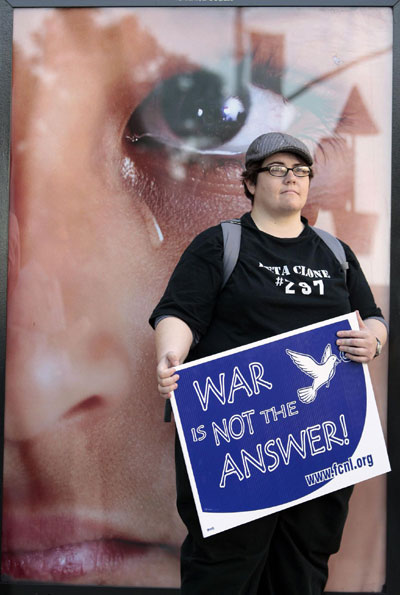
column 280, row 171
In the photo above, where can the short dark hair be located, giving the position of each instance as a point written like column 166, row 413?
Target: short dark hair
column 250, row 174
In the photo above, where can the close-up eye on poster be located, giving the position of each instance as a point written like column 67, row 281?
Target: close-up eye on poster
column 128, row 138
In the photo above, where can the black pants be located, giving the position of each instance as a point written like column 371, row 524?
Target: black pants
column 285, row 553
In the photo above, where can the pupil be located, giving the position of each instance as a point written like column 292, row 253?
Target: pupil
column 198, row 108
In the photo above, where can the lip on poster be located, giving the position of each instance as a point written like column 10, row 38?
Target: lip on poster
column 275, row 423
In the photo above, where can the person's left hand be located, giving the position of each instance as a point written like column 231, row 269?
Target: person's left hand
column 359, row 346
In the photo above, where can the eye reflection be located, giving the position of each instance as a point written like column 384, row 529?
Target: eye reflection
column 197, row 105
column 196, row 109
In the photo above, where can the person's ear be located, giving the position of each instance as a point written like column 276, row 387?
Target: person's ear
column 251, row 187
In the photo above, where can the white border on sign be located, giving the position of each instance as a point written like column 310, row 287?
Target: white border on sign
column 372, row 442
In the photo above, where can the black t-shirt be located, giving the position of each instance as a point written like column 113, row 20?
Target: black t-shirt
column 278, row 284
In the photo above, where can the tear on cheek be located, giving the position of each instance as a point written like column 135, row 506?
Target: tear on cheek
column 180, row 195
column 153, row 228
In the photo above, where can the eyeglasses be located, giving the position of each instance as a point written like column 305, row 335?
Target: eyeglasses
column 280, row 171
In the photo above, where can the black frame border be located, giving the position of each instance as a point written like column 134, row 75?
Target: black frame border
column 392, row 586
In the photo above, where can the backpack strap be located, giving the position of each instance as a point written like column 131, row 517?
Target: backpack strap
column 232, row 234
column 335, row 246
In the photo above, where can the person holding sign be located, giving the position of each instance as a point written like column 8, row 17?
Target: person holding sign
column 286, row 276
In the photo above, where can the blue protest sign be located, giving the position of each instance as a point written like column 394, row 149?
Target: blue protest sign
column 276, row 423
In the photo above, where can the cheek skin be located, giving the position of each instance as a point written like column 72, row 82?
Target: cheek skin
column 84, row 430
column 89, row 299
column 205, row 192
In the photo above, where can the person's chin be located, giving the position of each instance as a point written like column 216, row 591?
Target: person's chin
column 292, row 200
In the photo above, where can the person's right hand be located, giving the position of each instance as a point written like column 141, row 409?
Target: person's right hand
column 166, row 377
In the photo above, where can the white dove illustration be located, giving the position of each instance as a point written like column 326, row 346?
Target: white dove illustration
column 322, row 373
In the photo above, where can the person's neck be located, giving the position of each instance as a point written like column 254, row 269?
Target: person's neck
column 288, row 226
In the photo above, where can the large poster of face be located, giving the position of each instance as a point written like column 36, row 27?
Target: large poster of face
column 128, row 133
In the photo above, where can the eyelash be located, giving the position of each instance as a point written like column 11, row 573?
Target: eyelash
column 258, row 109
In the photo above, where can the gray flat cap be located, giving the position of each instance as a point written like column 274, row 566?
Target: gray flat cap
column 276, row 142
